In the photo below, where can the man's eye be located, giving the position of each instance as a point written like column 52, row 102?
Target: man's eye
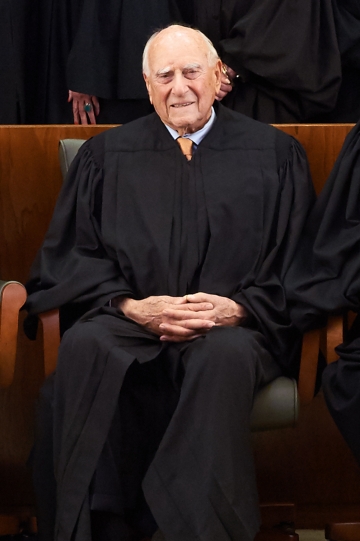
column 165, row 77
column 192, row 74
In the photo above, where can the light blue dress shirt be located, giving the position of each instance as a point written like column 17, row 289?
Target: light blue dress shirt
column 199, row 135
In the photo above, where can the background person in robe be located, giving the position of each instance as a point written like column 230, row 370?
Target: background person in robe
column 104, row 63
column 88, row 46
column 347, row 26
column 152, row 395
column 12, row 69
column 289, row 61
column 325, row 278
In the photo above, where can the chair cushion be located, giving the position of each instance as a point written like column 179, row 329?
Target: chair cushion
column 67, row 151
column 276, row 405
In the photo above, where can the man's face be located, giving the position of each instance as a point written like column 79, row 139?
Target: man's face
column 181, row 84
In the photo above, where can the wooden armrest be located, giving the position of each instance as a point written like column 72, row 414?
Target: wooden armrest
column 349, row 319
column 331, row 336
column 12, row 298
column 334, row 334
column 308, row 366
column 324, row 340
column 51, row 338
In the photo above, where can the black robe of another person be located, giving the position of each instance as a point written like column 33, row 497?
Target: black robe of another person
column 13, row 73
column 325, row 278
column 92, row 47
column 285, row 52
column 50, row 31
column 341, row 386
column 347, row 24
column 106, row 55
column 136, row 218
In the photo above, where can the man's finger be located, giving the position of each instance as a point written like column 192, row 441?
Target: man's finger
column 171, row 338
column 200, row 306
column 91, row 116
column 75, row 108
column 200, row 297
column 191, row 307
column 177, row 300
column 81, row 114
column 96, row 105
column 180, row 315
column 185, row 327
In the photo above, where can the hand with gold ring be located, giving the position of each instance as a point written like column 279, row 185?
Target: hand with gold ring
column 227, row 77
column 85, row 107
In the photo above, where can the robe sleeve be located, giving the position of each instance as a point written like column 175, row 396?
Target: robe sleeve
column 289, row 52
column 73, row 264
column 263, row 295
column 324, row 276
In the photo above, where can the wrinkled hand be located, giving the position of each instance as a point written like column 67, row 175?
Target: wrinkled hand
column 78, row 102
column 172, row 318
column 224, row 312
column 227, row 77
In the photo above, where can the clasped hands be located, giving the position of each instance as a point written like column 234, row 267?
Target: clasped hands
column 177, row 319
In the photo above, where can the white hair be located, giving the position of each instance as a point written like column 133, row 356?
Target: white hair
column 212, row 55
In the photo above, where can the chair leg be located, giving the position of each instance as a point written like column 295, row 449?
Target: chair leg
column 342, row 531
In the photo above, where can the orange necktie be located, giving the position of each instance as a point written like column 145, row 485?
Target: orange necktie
column 186, row 146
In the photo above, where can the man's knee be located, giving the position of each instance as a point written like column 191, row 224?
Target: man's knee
column 229, row 351
column 83, row 336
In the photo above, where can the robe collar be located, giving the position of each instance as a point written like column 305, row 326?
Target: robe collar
column 199, row 135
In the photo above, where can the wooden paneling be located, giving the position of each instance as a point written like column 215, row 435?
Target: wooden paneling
column 322, row 143
column 309, row 465
column 30, row 180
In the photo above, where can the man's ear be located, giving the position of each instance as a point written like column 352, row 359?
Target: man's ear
column 148, row 86
column 218, row 74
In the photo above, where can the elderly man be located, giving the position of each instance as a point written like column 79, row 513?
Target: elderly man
column 176, row 264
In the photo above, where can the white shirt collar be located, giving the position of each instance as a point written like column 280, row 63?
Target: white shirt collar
column 199, row 135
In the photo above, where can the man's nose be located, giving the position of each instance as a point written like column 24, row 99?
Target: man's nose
column 179, row 84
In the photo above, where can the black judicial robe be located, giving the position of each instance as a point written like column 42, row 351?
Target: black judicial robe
column 285, row 52
column 347, row 25
column 325, row 278
column 13, row 73
column 135, row 218
column 106, row 55
column 47, row 33
column 87, row 46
